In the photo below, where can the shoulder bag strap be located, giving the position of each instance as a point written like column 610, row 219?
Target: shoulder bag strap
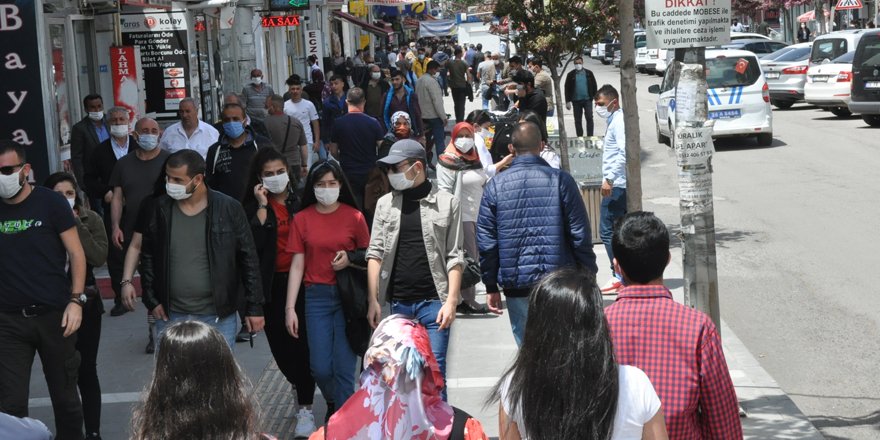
column 286, row 135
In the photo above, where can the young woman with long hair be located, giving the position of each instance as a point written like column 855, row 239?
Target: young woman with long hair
column 324, row 232
column 271, row 204
column 461, row 174
column 198, row 390
column 93, row 237
column 565, row 383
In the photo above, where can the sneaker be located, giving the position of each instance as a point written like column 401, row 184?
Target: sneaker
column 151, row 347
column 118, row 310
column 243, row 335
column 305, row 424
column 612, row 286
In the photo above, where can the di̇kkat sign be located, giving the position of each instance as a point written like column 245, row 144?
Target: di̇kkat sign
column 23, row 119
column 687, row 23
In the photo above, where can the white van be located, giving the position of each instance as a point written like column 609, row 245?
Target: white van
column 832, row 45
column 738, row 95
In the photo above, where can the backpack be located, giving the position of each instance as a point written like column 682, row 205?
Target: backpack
column 504, row 124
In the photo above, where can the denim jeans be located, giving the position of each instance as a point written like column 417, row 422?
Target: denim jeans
column 438, row 135
column 613, row 207
column 426, row 313
column 483, row 88
column 331, row 359
column 227, row 326
column 518, row 311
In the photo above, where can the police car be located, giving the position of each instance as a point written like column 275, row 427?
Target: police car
column 738, row 96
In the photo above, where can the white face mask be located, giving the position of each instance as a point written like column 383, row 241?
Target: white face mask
column 71, row 202
column 602, row 111
column 464, row 144
column 119, row 131
column 376, row 75
column 276, row 184
column 257, row 80
column 578, row 67
column 96, row 116
column 148, row 141
column 327, row 196
column 10, row 185
column 399, row 181
column 177, row 191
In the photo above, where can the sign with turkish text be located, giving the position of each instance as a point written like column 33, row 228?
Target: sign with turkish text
column 279, row 20
column 693, row 145
column 687, row 23
column 161, row 37
column 584, row 158
column 124, row 74
column 23, row 119
column 315, row 46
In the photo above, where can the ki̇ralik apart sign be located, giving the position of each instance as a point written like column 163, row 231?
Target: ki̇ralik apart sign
column 687, row 23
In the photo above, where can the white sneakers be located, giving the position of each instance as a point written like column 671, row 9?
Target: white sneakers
column 612, row 286
column 305, row 423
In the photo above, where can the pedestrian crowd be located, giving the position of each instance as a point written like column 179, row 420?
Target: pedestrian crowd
column 310, row 217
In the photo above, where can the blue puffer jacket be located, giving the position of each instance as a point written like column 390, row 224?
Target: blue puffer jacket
column 532, row 221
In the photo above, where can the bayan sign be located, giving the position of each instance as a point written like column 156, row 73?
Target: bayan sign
column 21, row 87
column 687, row 23
column 161, row 37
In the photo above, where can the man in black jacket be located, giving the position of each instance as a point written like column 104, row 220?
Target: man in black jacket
column 98, row 171
column 257, row 125
column 530, row 98
column 580, row 89
column 86, row 135
column 197, row 251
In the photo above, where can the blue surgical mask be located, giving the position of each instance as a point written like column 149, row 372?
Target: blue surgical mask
column 233, row 129
column 148, row 141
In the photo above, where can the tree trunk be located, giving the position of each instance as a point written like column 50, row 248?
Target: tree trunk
column 556, row 75
column 630, row 108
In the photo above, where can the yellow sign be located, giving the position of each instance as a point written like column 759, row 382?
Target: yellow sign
column 365, row 41
column 357, row 8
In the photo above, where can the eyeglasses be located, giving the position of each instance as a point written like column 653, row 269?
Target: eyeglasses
column 7, row 170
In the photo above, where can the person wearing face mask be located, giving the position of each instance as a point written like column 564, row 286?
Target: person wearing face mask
column 461, row 174
column 543, row 82
column 420, row 63
column 228, row 159
column 614, row 175
column 41, row 301
column 483, row 139
column 86, row 135
column 198, row 254
column 433, row 114
column 530, row 98
column 377, row 181
column 460, row 82
column 580, row 89
column 402, row 98
column 327, row 236
column 289, row 138
column 257, row 125
column 374, row 90
column 415, row 259
column 507, row 81
column 803, row 33
column 271, row 205
column 98, row 172
column 255, row 94
column 93, row 238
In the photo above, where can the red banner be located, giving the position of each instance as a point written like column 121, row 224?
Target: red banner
column 125, row 79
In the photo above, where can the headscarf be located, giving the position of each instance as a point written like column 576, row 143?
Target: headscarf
column 456, row 160
column 399, row 397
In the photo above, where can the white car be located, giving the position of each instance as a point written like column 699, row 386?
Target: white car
column 746, row 35
column 828, row 85
column 664, row 60
column 738, row 95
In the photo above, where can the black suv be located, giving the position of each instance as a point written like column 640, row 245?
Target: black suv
column 865, row 96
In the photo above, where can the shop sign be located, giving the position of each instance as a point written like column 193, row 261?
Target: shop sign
column 288, row 5
column 161, row 37
column 20, row 84
column 123, row 60
column 315, row 46
column 280, row 20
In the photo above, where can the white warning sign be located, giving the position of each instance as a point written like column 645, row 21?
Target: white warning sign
column 687, row 23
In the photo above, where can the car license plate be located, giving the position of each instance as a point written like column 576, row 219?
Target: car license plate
column 772, row 75
column 820, row 78
column 725, row 114
column 872, row 84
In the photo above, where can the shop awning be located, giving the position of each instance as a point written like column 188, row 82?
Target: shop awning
column 371, row 28
column 437, row 28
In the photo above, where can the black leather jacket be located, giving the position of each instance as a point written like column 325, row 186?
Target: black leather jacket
column 232, row 257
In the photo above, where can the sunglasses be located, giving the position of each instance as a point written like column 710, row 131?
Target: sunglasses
column 7, row 170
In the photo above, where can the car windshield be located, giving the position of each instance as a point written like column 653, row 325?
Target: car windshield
column 827, row 49
column 870, row 52
column 845, row 58
column 799, row 54
column 725, row 72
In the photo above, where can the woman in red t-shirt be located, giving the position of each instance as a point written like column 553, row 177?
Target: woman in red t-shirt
column 270, row 206
column 323, row 233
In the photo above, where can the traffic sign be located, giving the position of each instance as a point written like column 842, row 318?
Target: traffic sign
column 687, row 23
column 848, row 4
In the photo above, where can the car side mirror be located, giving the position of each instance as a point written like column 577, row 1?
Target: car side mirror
column 655, row 89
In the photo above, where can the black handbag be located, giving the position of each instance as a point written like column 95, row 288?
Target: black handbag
column 470, row 275
column 351, row 283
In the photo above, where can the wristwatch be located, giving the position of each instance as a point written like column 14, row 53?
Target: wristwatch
column 79, row 298
column 610, row 182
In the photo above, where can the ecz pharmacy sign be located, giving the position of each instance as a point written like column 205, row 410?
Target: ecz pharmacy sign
column 687, row 23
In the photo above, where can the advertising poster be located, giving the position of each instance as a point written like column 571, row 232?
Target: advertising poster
column 161, row 37
column 125, row 80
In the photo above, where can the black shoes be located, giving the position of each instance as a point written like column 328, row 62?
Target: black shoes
column 118, row 310
column 467, row 309
column 243, row 335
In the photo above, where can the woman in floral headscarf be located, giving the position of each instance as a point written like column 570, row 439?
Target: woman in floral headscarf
column 377, row 181
column 399, row 397
column 462, row 174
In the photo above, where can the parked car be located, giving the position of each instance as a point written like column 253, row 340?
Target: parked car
column 774, row 55
column 828, row 85
column 786, row 77
column 664, row 60
column 598, row 50
column 747, row 35
column 865, row 92
column 832, row 45
column 739, row 98
column 758, row 46
column 617, row 57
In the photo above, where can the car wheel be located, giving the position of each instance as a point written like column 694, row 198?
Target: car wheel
column 841, row 112
column 641, row 69
column 605, row 62
column 661, row 139
column 765, row 139
column 872, row 120
column 782, row 104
